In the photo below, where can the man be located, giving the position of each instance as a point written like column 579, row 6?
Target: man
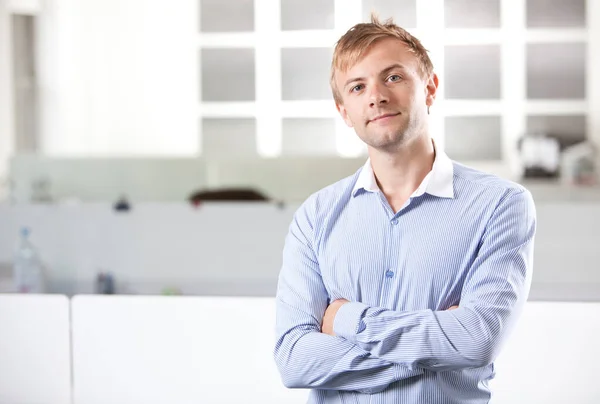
column 400, row 283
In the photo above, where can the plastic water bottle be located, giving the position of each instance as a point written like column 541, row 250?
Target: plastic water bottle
column 28, row 272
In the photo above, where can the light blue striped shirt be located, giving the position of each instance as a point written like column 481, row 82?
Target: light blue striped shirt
column 463, row 238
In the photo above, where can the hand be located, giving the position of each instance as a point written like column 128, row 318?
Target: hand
column 332, row 309
column 452, row 308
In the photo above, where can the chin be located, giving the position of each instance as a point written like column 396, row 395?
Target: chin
column 385, row 144
column 388, row 138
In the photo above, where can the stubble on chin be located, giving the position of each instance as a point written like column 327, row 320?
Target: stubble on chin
column 388, row 142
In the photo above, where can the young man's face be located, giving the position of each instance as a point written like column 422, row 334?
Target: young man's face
column 384, row 98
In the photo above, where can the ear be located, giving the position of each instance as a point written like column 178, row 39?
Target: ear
column 342, row 110
column 431, row 87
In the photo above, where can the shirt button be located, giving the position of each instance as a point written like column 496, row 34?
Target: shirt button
column 389, row 273
column 394, row 221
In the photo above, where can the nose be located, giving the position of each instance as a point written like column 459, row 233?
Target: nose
column 378, row 95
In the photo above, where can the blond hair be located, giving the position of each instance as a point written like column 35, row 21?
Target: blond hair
column 353, row 45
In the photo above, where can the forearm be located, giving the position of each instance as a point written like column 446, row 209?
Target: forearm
column 467, row 337
column 495, row 289
column 307, row 358
column 433, row 340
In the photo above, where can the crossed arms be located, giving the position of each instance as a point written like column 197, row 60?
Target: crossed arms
column 373, row 347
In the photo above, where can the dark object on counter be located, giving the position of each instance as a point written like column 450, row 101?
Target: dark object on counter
column 122, row 204
column 105, row 284
column 228, row 194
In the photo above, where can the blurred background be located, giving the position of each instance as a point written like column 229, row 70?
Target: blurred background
column 152, row 147
column 166, row 144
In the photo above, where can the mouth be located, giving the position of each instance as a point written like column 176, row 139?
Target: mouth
column 384, row 117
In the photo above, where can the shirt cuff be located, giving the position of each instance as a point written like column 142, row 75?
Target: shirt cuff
column 347, row 320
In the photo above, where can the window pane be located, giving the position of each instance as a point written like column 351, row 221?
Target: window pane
column 555, row 13
column 305, row 73
column 228, row 137
column 308, row 136
column 556, row 70
column 226, row 15
column 306, row 14
column 227, row 74
column 568, row 129
column 472, row 72
column 404, row 12
column 472, row 13
column 474, row 138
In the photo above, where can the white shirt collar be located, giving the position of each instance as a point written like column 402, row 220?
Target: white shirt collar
column 438, row 182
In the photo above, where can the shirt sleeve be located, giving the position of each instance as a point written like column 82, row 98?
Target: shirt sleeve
column 493, row 295
column 305, row 357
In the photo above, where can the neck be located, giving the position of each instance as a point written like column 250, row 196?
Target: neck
column 400, row 173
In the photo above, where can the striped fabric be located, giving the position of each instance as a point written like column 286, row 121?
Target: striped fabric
column 464, row 238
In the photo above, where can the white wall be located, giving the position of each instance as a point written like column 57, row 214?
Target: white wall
column 235, row 249
column 155, row 245
column 6, row 95
column 118, row 78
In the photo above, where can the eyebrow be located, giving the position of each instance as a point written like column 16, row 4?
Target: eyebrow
column 384, row 71
column 392, row 67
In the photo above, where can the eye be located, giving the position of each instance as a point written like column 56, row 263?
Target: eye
column 356, row 88
column 394, row 77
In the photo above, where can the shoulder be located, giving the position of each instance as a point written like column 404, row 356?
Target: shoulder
column 497, row 195
column 471, row 181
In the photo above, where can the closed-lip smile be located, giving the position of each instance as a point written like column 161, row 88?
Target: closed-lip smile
column 384, row 116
